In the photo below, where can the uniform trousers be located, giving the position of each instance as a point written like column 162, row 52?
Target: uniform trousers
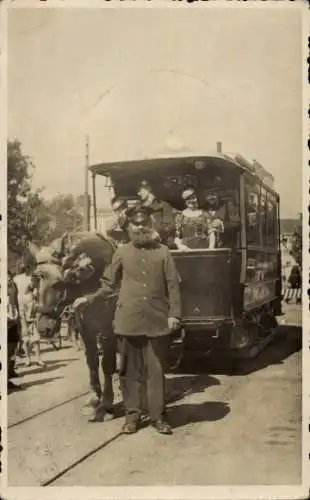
column 142, row 373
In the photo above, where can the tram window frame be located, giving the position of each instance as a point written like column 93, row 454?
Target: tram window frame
column 272, row 222
column 263, row 216
column 252, row 189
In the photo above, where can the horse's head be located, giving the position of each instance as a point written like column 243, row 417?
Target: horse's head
column 51, row 287
column 64, row 269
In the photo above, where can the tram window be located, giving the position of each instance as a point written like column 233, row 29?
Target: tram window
column 271, row 221
column 252, row 214
column 263, row 217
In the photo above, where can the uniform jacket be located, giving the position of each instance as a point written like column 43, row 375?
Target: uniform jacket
column 148, row 289
column 163, row 217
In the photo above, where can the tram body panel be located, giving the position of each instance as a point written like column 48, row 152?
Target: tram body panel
column 262, row 278
column 205, row 285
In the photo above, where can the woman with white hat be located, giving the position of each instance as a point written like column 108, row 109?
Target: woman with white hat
column 192, row 225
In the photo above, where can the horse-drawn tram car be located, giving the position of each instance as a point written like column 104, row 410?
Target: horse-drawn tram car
column 231, row 293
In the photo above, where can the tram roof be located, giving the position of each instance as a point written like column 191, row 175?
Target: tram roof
column 171, row 162
column 164, row 162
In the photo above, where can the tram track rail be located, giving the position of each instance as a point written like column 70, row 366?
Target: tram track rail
column 46, row 410
column 105, row 444
column 231, row 389
column 83, row 458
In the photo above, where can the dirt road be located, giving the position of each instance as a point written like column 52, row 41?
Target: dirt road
column 239, row 429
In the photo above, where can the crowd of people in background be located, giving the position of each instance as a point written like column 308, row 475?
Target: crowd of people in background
column 23, row 335
column 291, row 273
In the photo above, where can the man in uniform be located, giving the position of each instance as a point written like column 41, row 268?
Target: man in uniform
column 163, row 215
column 118, row 229
column 147, row 311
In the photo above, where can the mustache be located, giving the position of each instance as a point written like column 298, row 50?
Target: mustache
column 141, row 236
column 139, row 229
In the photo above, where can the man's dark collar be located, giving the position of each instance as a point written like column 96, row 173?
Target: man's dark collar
column 147, row 246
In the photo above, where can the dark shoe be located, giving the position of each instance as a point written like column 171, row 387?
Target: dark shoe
column 13, row 374
column 162, row 426
column 130, row 427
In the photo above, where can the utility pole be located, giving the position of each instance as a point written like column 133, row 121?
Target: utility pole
column 86, row 195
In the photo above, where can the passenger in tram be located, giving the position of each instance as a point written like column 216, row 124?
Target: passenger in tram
column 163, row 214
column 194, row 228
column 117, row 231
column 215, row 220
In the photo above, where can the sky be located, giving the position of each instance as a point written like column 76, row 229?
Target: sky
column 141, row 82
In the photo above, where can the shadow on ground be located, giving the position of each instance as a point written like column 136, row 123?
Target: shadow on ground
column 287, row 342
column 25, row 385
column 61, row 360
column 47, row 347
column 209, row 411
column 178, row 387
column 50, row 366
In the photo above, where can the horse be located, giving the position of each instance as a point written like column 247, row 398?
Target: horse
column 61, row 283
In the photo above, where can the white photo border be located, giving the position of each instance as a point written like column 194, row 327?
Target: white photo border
column 177, row 492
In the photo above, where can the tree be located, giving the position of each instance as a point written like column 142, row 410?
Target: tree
column 25, row 207
column 64, row 216
column 30, row 217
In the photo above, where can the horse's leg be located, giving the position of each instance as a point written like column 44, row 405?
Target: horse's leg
column 92, row 359
column 74, row 333
column 105, row 408
column 108, row 364
column 77, row 338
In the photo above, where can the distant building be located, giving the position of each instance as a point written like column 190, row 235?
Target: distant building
column 104, row 217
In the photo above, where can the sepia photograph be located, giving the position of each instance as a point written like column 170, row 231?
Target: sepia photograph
column 155, row 210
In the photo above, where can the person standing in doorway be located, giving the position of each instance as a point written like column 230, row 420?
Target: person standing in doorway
column 117, row 231
column 163, row 214
column 147, row 311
